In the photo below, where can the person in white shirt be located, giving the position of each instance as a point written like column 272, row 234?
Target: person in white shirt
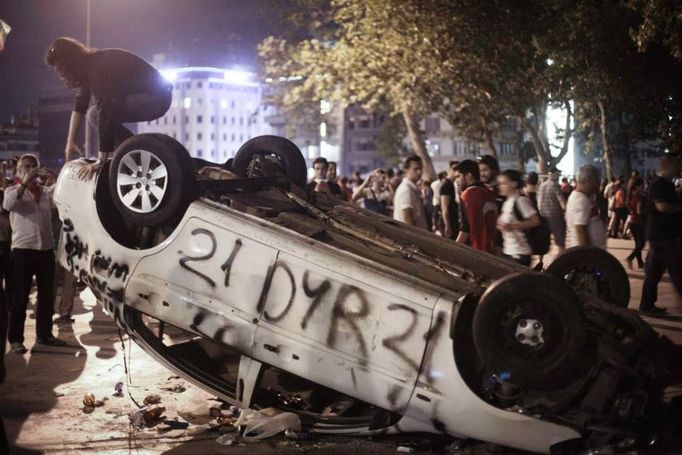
column 408, row 206
column 583, row 225
column 30, row 207
column 517, row 216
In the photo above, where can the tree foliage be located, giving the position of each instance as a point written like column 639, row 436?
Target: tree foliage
column 482, row 63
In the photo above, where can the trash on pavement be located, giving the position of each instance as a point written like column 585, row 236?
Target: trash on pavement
column 118, row 389
column 151, row 399
column 225, row 440
column 146, row 415
column 255, row 425
column 89, row 399
column 178, row 388
column 404, row 449
column 297, row 435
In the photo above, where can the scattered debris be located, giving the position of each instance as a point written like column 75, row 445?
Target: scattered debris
column 151, row 399
column 297, row 435
column 256, row 425
column 176, row 424
column 146, row 415
column 118, row 389
column 172, row 377
column 178, row 388
column 225, row 440
column 89, row 399
column 404, row 449
column 90, row 403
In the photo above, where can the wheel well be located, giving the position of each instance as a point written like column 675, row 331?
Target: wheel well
column 468, row 362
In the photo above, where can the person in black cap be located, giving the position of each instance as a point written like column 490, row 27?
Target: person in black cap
column 121, row 87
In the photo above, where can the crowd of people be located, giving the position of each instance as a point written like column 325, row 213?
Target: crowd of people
column 500, row 212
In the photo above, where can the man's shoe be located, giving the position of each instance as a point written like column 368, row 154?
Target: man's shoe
column 52, row 341
column 18, row 348
column 654, row 310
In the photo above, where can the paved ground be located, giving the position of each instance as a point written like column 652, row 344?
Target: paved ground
column 41, row 401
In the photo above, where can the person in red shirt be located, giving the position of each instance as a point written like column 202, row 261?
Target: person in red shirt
column 636, row 222
column 479, row 211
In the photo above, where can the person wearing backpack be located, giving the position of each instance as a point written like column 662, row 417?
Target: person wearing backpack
column 517, row 218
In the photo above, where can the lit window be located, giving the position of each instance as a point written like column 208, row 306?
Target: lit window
column 187, row 102
column 323, row 129
column 223, row 103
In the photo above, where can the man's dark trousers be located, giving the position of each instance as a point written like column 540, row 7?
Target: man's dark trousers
column 27, row 263
column 663, row 255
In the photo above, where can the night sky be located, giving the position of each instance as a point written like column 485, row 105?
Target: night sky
column 191, row 32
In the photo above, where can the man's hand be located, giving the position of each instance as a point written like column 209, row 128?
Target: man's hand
column 505, row 227
column 31, row 175
column 87, row 171
column 72, row 150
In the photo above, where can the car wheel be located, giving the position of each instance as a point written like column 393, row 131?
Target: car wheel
column 529, row 329
column 593, row 271
column 269, row 155
column 151, row 179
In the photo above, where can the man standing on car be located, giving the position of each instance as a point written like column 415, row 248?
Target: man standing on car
column 478, row 224
column 320, row 182
column 408, row 206
column 583, row 225
column 551, row 206
column 122, row 87
column 30, row 206
column 664, row 215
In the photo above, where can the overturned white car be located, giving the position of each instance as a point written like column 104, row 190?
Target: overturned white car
column 266, row 295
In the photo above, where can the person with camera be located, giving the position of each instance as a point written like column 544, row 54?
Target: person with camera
column 30, row 205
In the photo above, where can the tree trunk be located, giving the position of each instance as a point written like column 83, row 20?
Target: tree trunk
column 541, row 152
column 520, row 155
column 490, row 144
column 603, row 127
column 627, row 152
column 418, row 144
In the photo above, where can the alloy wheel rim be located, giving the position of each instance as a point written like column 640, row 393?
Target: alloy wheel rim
column 142, row 181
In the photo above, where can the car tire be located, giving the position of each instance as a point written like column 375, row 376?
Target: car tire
column 593, row 271
column 529, row 329
column 279, row 152
column 160, row 187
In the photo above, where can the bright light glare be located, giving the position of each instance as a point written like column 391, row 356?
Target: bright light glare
column 556, row 119
column 187, row 102
column 169, row 75
column 236, row 77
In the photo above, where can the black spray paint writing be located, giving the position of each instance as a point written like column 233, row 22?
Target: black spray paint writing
column 114, row 269
column 266, row 290
column 185, row 259
column 73, row 246
column 391, row 343
column 227, row 266
column 316, row 294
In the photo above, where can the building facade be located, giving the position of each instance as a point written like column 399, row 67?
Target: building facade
column 213, row 112
column 18, row 137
